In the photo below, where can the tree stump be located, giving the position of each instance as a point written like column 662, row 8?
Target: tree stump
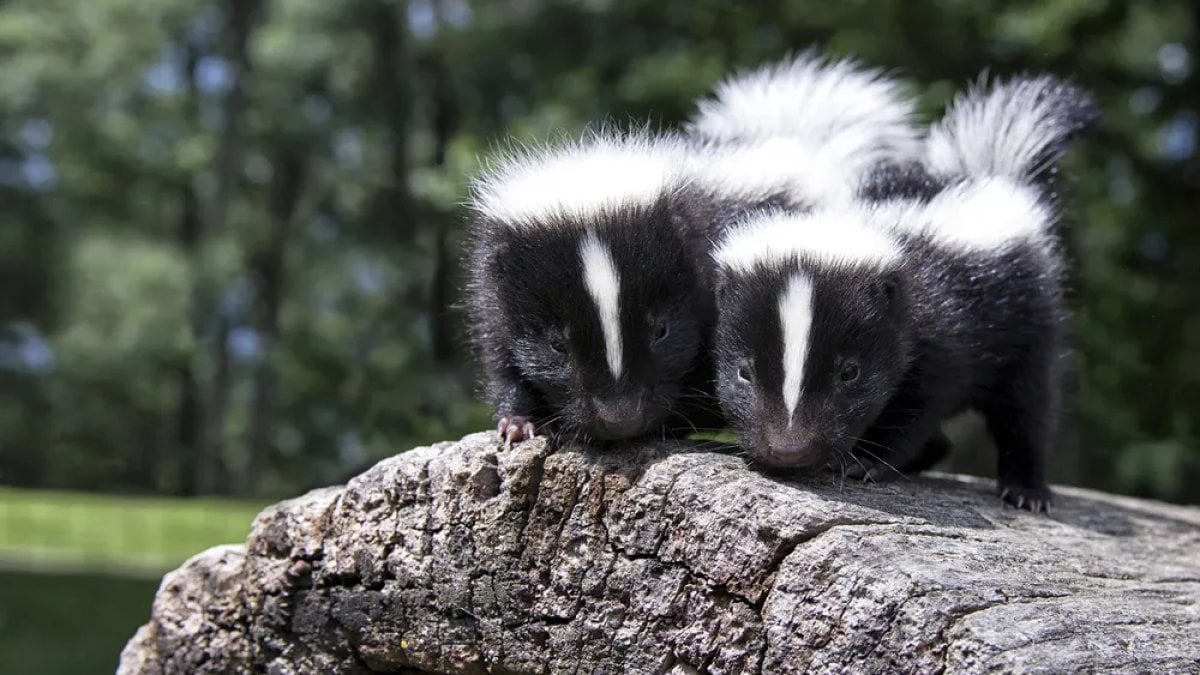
column 469, row 557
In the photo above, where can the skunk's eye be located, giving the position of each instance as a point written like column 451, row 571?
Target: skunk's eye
column 850, row 372
column 744, row 374
column 661, row 330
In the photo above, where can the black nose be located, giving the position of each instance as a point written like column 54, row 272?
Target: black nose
column 619, row 417
column 792, row 449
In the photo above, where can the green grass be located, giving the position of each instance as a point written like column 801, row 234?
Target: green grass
column 44, row 529
column 72, row 624
column 78, row 571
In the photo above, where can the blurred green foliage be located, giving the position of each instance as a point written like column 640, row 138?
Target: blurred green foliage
column 230, row 230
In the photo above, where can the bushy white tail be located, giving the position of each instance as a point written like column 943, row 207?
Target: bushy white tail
column 838, row 108
column 1014, row 129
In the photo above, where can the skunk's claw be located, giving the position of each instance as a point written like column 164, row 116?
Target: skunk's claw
column 1037, row 499
column 515, row 429
column 867, row 472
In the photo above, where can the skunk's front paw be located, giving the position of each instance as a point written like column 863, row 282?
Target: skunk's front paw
column 514, row 429
column 1035, row 498
column 868, row 471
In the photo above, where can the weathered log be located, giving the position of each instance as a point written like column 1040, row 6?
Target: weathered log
column 469, row 557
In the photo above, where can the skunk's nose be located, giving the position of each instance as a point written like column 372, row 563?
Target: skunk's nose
column 790, row 449
column 619, row 417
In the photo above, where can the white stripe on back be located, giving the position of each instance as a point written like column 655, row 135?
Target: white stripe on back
column 980, row 216
column 756, row 171
column 856, row 115
column 604, row 285
column 795, row 316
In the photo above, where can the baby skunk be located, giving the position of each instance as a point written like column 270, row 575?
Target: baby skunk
column 587, row 303
column 851, row 333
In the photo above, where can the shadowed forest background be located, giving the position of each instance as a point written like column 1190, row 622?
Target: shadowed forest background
column 231, row 233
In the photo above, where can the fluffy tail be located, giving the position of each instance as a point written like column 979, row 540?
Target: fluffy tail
column 837, row 107
column 1017, row 129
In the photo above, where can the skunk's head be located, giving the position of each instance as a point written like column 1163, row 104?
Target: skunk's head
column 596, row 281
column 813, row 334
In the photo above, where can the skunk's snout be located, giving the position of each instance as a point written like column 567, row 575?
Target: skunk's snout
column 792, row 449
column 618, row 417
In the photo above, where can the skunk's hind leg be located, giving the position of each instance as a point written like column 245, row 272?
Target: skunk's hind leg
column 1022, row 415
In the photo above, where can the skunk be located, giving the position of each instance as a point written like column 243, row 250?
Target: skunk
column 848, row 334
column 588, row 309
column 590, row 281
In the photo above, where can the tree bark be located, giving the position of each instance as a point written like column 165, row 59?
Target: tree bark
column 394, row 93
column 469, row 557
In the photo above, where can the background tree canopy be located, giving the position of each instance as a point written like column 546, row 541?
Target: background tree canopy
column 230, row 231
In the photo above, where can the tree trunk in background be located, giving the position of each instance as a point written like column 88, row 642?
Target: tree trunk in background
column 441, row 297
column 393, row 72
column 190, row 411
column 184, row 443
column 239, row 16
column 271, row 270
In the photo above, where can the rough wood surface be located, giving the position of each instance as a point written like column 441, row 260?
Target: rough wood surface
column 468, row 557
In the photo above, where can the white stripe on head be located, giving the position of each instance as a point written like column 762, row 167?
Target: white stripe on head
column 854, row 112
column 573, row 183
column 973, row 217
column 836, row 237
column 795, row 316
column 604, row 285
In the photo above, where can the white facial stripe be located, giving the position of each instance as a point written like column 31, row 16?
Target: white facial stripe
column 604, row 285
column 795, row 316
